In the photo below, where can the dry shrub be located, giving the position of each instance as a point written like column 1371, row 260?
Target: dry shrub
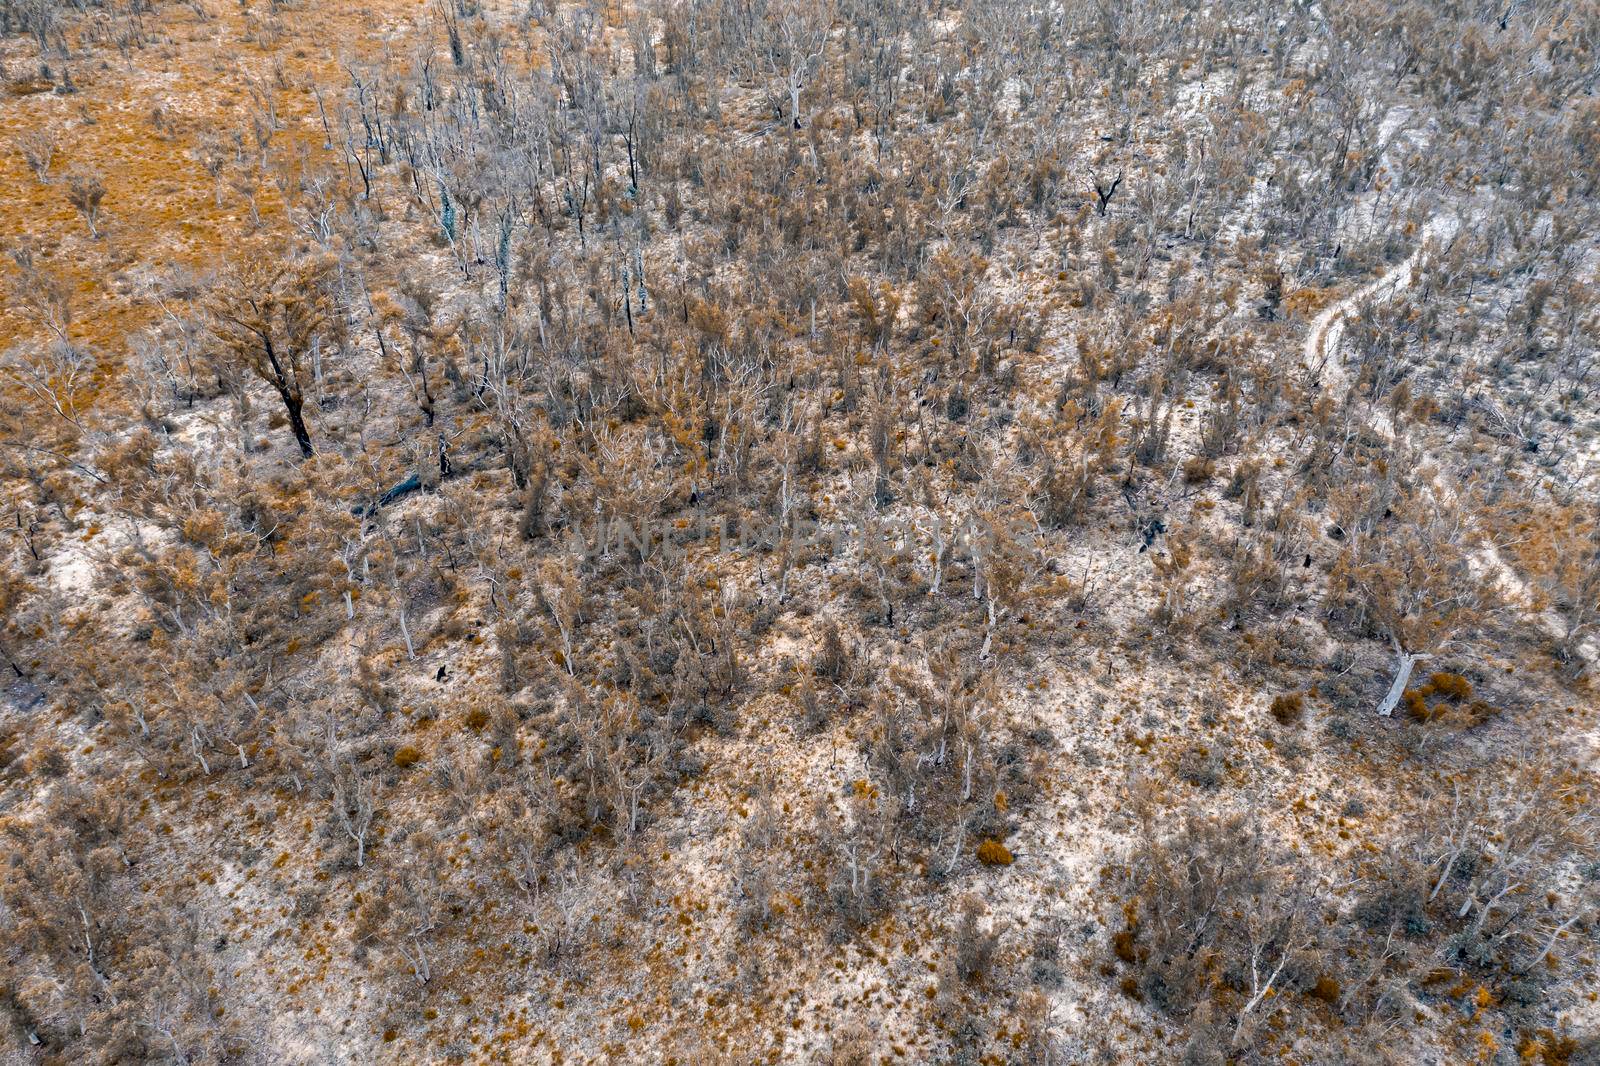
column 974, row 949
column 1200, row 766
column 994, row 853
column 1203, row 898
column 1416, row 704
column 833, row 659
column 1123, row 944
column 1288, row 708
column 1198, row 469
column 8, row 750
column 1451, row 686
column 407, row 756
column 1549, row 1048
column 853, row 1046
column 48, row 760
column 1455, row 701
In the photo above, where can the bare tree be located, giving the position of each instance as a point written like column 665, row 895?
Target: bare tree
column 355, row 801
column 797, row 38
column 38, row 149
column 414, row 902
column 1412, row 575
column 558, row 589
column 85, row 191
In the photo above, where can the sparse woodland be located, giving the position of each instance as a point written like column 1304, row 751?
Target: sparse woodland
column 838, row 531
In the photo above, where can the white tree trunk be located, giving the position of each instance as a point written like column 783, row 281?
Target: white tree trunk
column 1405, row 663
column 405, row 631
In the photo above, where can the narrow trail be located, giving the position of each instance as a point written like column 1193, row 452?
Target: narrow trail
column 1321, row 350
column 1320, row 355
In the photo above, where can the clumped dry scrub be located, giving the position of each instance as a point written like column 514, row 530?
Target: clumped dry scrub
column 682, row 531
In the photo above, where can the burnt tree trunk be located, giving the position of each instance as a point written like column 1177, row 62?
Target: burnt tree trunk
column 294, row 403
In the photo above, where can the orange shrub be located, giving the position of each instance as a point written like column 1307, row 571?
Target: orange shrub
column 1416, row 703
column 994, row 853
column 1451, row 686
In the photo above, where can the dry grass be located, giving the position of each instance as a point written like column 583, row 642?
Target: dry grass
column 161, row 209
